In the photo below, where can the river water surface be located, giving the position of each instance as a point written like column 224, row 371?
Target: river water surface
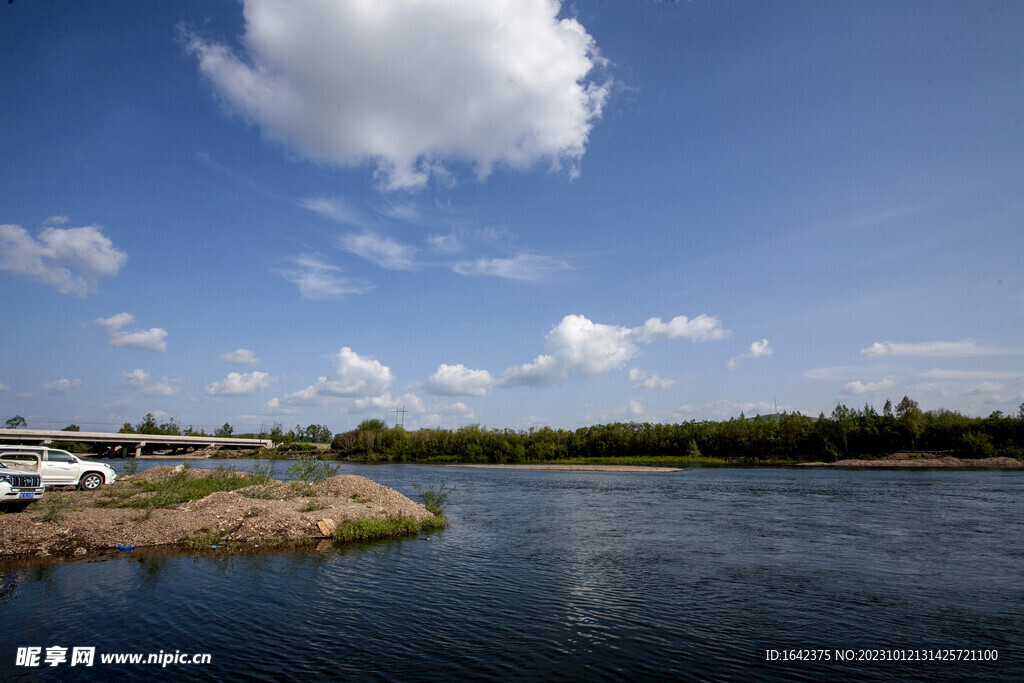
column 692, row 575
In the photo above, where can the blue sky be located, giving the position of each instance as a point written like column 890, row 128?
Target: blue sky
column 508, row 213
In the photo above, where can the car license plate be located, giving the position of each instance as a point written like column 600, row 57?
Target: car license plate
column 27, row 495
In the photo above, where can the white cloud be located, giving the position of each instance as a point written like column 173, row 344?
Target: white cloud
column 458, row 380
column 139, row 379
column 581, row 347
column 523, row 267
column 446, row 244
column 240, row 357
column 165, row 387
column 649, row 382
column 61, row 387
column 758, row 349
column 382, row 251
column 136, row 379
column 967, row 347
column 701, row 328
column 857, row 388
column 636, row 408
column 411, row 86
column 238, row 384
column 333, row 208
column 940, row 373
column 833, row 372
column 57, row 220
column 4, row 387
column 724, row 409
column 318, row 280
column 143, row 340
column 351, row 376
column 70, row 260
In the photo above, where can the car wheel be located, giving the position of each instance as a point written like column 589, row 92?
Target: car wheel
column 91, row 481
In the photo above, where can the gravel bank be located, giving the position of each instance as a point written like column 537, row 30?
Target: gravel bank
column 274, row 514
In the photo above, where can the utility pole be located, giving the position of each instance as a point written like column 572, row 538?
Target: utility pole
column 398, row 411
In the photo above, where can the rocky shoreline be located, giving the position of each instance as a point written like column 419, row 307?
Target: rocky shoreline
column 923, row 461
column 78, row 523
column 579, row 468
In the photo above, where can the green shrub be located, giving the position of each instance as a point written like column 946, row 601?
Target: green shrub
column 436, row 500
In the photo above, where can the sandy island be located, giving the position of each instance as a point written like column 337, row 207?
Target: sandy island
column 586, row 468
column 260, row 515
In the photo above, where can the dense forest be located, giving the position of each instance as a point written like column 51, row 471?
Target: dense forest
column 786, row 437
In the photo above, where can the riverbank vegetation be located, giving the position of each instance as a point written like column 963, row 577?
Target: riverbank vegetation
column 772, row 439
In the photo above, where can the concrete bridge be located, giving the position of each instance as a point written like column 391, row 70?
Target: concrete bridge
column 126, row 444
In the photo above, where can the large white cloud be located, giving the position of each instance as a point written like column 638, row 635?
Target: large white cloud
column 351, row 376
column 410, row 85
column 458, row 380
column 71, row 260
column 143, row 340
column 579, row 346
column 240, row 384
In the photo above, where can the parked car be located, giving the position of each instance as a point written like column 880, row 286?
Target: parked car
column 57, row 467
column 19, row 487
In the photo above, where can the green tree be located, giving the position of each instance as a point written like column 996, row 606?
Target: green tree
column 147, row 425
column 17, row 422
column 374, row 425
column 225, row 430
column 72, row 428
column 910, row 418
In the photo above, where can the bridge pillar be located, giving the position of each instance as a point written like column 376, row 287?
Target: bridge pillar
column 138, row 448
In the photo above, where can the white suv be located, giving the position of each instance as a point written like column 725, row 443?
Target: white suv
column 18, row 487
column 59, row 468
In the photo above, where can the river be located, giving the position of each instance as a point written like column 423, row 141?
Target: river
column 703, row 574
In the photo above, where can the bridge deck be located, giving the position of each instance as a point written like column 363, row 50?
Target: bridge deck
column 40, row 437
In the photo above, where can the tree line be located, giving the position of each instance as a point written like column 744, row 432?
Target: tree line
column 786, row 437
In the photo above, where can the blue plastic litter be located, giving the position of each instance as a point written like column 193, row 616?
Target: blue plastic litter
column 125, row 548
column 214, row 546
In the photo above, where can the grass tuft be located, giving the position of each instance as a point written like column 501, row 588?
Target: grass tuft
column 392, row 527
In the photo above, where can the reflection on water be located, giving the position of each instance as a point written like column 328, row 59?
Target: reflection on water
column 594, row 575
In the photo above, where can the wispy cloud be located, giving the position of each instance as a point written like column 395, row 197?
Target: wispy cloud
column 240, row 357
column 857, row 388
column 967, row 347
column 143, row 340
column 531, row 268
column 333, row 208
column 833, row 372
column 318, row 280
column 940, row 373
column 61, row 387
column 381, row 251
